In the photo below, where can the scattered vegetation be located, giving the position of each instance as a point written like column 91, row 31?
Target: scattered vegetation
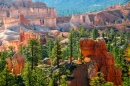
column 35, row 74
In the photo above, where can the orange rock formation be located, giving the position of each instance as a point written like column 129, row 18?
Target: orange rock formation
column 112, row 73
column 96, row 50
column 16, row 63
column 24, row 38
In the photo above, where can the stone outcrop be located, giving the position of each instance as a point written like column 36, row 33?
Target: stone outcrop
column 25, row 36
column 80, row 75
column 97, row 52
column 111, row 72
column 47, row 61
column 77, row 18
column 16, row 63
column 81, row 19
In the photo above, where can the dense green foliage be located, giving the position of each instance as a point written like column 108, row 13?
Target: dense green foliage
column 99, row 81
column 56, row 52
column 37, row 74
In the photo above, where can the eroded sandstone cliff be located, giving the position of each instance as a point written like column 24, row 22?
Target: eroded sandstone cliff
column 96, row 59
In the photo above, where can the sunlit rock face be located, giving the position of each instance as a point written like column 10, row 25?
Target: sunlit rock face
column 16, row 63
column 111, row 72
column 96, row 50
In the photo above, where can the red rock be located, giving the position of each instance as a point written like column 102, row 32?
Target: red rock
column 87, row 47
column 16, row 64
column 80, row 77
column 9, row 63
column 23, row 20
column 96, row 51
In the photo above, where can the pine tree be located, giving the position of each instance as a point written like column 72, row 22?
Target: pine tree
column 35, row 51
column 95, row 34
column 82, row 32
column 106, row 33
column 28, row 75
column 121, row 37
column 73, row 44
column 112, row 33
column 3, row 56
column 40, row 77
column 7, row 79
column 49, row 46
column 56, row 52
column 35, row 77
column 44, row 52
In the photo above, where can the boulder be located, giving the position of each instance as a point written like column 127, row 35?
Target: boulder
column 47, row 61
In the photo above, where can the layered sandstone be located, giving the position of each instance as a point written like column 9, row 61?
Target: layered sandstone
column 14, row 13
column 109, row 18
column 81, row 19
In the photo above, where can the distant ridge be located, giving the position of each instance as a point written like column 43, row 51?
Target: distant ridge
column 22, row 3
column 69, row 7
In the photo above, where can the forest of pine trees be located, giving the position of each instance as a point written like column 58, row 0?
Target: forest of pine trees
column 36, row 74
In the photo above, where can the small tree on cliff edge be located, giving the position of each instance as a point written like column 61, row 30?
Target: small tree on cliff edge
column 95, row 34
column 35, row 51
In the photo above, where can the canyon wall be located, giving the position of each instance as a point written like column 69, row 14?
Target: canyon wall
column 50, row 22
column 10, row 22
column 25, row 36
column 34, row 22
column 84, row 18
column 77, row 18
column 35, row 12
